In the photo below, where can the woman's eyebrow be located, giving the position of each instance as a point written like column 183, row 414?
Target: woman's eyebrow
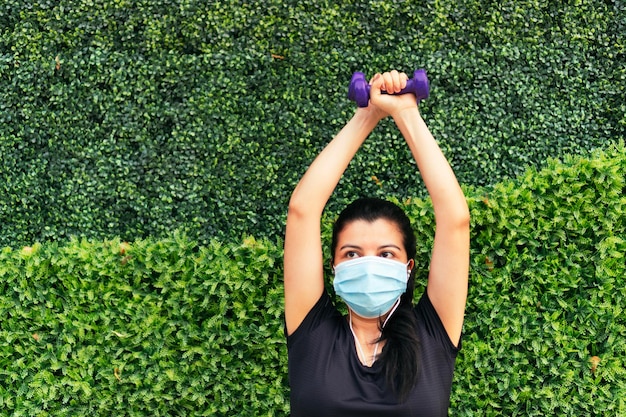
column 385, row 246
column 390, row 245
column 349, row 246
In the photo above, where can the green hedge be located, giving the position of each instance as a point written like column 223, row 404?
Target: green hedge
column 173, row 327
column 546, row 330
column 155, row 328
column 137, row 118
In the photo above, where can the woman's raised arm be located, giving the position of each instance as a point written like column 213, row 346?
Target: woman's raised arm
column 449, row 266
column 303, row 261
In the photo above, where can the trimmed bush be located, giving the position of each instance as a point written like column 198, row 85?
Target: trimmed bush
column 135, row 119
column 143, row 329
column 172, row 327
column 545, row 331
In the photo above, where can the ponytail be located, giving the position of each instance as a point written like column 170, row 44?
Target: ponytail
column 399, row 357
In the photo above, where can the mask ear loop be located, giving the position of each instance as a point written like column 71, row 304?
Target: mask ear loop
column 356, row 339
column 358, row 344
column 393, row 310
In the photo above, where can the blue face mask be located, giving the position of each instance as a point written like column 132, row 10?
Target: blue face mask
column 370, row 285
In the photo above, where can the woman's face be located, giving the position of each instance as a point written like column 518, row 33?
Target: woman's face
column 381, row 237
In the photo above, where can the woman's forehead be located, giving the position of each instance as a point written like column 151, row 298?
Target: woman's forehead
column 379, row 232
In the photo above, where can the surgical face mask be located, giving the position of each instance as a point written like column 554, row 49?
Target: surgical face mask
column 370, row 285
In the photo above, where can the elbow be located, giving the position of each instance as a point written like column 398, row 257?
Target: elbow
column 294, row 210
column 304, row 204
column 457, row 218
column 462, row 219
column 297, row 203
column 299, row 208
column 459, row 221
column 461, row 214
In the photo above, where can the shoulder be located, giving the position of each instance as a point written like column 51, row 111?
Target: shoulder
column 323, row 315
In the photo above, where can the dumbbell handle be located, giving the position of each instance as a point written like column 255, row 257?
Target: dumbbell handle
column 359, row 89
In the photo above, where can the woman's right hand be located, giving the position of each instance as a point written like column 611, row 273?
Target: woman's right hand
column 371, row 112
column 390, row 103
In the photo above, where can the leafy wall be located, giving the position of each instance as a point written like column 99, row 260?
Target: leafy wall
column 133, row 119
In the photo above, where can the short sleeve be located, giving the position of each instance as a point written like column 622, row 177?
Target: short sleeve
column 323, row 310
column 433, row 325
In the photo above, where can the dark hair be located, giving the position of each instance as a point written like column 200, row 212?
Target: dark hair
column 399, row 357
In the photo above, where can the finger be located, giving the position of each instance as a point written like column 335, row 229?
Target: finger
column 376, row 83
column 387, row 82
column 404, row 79
column 396, row 80
column 400, row 80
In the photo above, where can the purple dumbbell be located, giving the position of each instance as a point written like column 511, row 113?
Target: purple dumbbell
column 359, row 90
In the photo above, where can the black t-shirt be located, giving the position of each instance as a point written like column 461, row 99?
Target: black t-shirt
column 327, row 379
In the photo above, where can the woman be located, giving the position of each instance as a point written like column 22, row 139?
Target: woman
column 386, row 357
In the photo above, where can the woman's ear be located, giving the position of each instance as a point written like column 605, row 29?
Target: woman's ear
column 410, row 265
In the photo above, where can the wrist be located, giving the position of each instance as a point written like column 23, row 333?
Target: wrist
column 407, row 114
column 368, row 117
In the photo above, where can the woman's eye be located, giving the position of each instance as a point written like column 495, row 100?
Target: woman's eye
column 386, row 255
column 352, row 254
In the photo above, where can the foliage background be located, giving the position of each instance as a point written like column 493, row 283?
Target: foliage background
column 135, row 118
column 170, row 327
column 182, row 127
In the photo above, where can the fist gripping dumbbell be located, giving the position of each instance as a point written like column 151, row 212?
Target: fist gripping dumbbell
column 359, row 90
